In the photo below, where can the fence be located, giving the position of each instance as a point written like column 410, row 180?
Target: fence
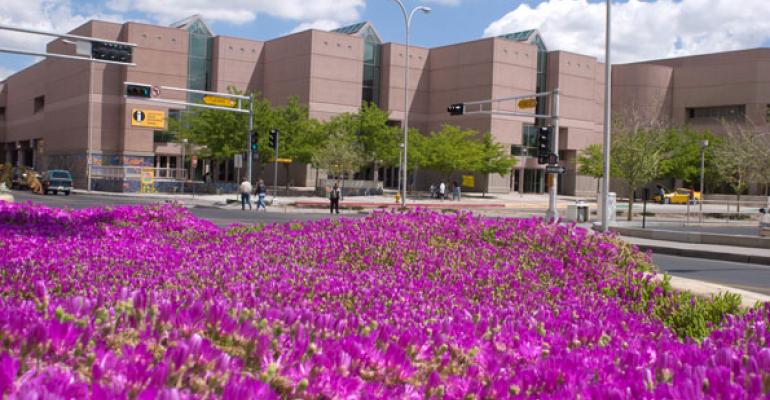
column 719, row 210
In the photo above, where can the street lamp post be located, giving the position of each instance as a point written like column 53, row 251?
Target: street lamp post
column 407, row 24
column 607, row 99
column 703, row 145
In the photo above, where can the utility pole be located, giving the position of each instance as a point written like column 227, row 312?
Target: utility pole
column 607, row 102
column 553, row 214
column 703, row 145
column 251, row 128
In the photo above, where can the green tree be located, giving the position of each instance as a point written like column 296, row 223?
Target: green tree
column 683, row 147
column 736, row 158
column 492, row 159
column 341, row 155
column 379, row 141
column 591, row 162
column 637, row 155
column 448, row 150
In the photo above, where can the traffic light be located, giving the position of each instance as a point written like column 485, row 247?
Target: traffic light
column 274, row 138
column 544, row 144
column 254, row 145
column 139, row 90
column 111, row 52
column 456, row 109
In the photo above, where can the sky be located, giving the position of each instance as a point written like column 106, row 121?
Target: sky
column 642, row 30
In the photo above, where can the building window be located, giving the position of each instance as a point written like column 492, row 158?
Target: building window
column 199, row 60
column 371, row 81
column 729, row 113
column 39, row 104
column 2, row 113
column 767, row 114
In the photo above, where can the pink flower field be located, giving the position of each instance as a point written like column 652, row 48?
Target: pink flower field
column 152, row 303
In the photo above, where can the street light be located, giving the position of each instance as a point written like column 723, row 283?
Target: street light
column 407, row 24
column 607, row 99
column 703, row 145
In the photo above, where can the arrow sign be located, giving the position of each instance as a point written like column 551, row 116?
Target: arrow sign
column 219, row 101
column 554, row 169
column 528, row 103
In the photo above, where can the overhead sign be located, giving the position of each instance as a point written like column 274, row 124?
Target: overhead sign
column 148, row 118
column 468, row 181
column 219, row 101
column 281, row 160
column 554, row 169
column 528, row 103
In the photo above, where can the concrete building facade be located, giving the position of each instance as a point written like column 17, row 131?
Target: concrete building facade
column 53, row 112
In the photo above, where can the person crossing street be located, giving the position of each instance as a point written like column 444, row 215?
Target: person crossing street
column 245, row 194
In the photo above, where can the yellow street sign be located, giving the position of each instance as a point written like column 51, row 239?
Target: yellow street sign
column 281, row 160
column 148, row 118
column 528, row 103
column 468, row 181
column 218, row 101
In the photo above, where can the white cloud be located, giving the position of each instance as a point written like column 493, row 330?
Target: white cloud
column 643, row 30
column 321, row 24
column 243, row 11
column 46, row 15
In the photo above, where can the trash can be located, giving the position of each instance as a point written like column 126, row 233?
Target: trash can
column 577, row 212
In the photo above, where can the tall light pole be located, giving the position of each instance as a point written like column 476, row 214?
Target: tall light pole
column 183, row 169
column 607, row 100
column 407, row 24
column 703, row 145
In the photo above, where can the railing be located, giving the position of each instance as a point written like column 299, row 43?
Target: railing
column 714, row 211
column 131, row 172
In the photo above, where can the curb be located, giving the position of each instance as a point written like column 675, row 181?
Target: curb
column 694, row 237
column 314, row 204
column 712, row 255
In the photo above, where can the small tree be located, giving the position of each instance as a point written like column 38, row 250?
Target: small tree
column 450, row 149
column 736, row 158
column 493, row 159
column 591, row 162
column 379, row 141
column 340, row 155
column 638, row 157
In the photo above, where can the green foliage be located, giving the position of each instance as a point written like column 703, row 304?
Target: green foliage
column 590, row 161
column 451, row 149
column 493, row 159
column 341, row 154
column 689, row 316
column 682, row 146
column 735, row 157
column 379, row 141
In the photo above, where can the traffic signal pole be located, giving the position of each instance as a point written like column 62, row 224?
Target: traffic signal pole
column 523, row 101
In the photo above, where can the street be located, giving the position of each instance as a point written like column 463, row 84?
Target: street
column 221, row 217
column 751, row 277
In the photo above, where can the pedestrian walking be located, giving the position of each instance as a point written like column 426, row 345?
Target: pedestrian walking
column 442, row 190
column 455, row 191
column 334, row 199
column 261, row 192
column 245, row 194
column 432, row 191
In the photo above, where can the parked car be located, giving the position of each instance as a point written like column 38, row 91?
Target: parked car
column 764, row 222
column 57, row 180
column 678, row 196
column 19, row 180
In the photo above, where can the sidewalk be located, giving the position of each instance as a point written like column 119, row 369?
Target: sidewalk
column 747, row 255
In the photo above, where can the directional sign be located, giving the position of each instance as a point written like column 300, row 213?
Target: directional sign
column 528, row 103
column 148, row 118
column 218, row 101
column 554, row 169
column 281, row 160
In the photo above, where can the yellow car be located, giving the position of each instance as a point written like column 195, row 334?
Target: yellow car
column 678, row 196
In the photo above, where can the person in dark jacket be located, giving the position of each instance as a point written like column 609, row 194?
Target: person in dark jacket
column 334, row 199
column 261, row 192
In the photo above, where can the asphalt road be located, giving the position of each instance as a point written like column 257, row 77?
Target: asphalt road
column 221, row 217
column 751, row 277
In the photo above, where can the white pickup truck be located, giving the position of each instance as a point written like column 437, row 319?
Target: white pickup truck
column 764, row 222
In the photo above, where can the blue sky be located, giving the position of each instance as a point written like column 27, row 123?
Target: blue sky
column 642, row 29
